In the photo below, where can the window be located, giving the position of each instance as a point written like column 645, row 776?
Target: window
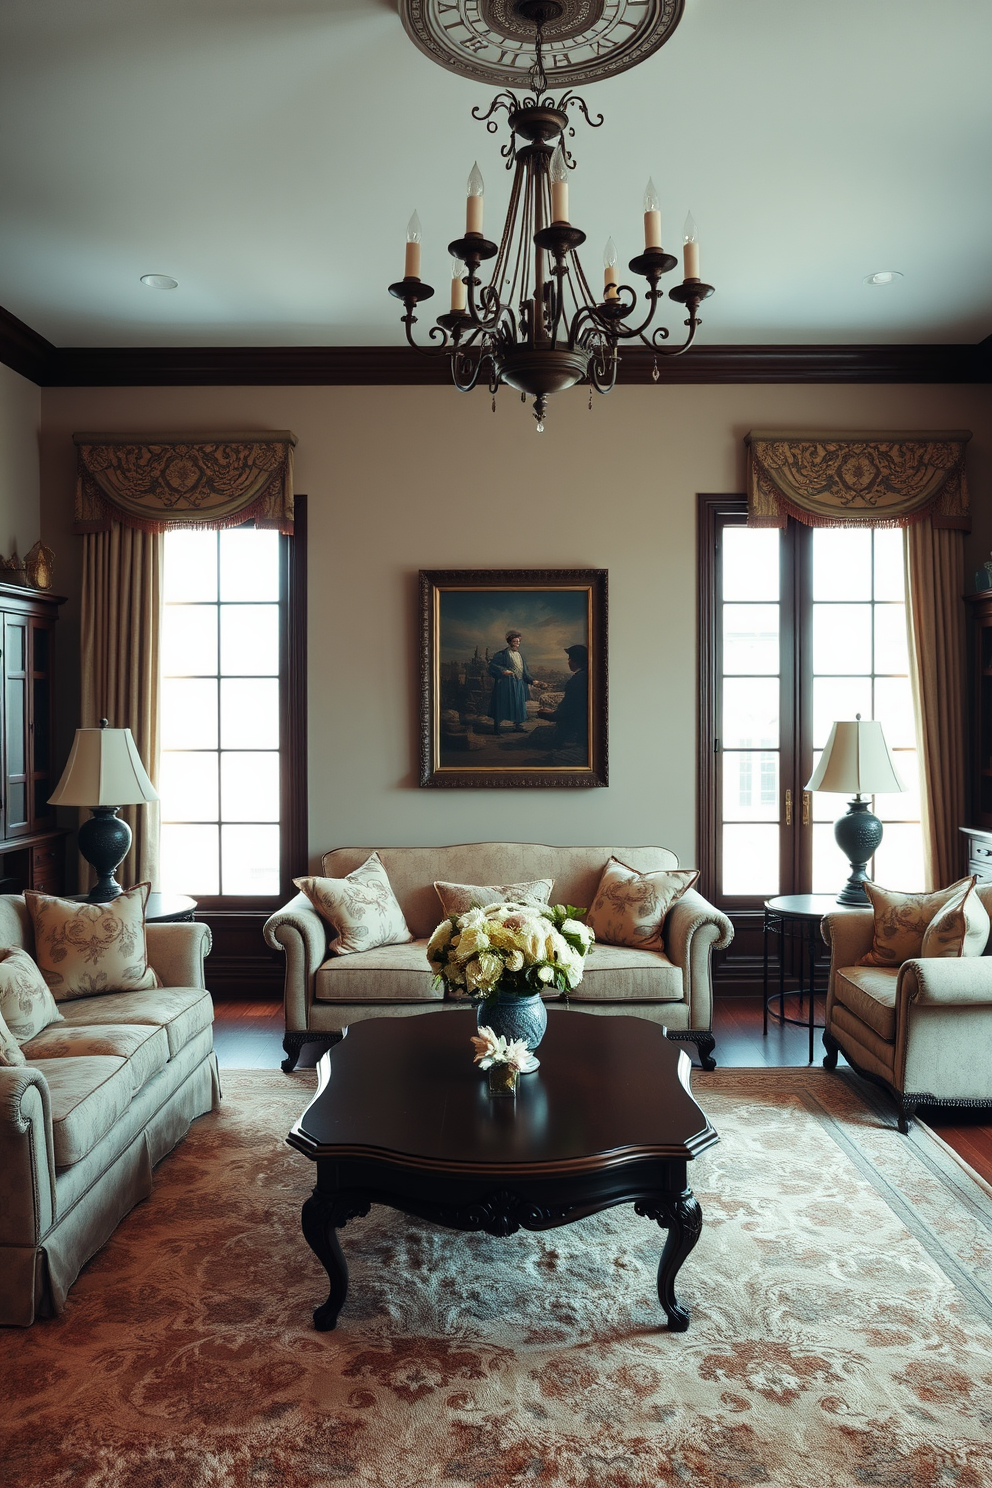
column 798, row 628
column 226, row 780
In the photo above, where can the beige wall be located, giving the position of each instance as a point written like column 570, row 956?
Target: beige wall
column 20, row 415
column 406, row 478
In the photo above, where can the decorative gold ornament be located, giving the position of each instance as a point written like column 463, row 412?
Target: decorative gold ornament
column 40, row 566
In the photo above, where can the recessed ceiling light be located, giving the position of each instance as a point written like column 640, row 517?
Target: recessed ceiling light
column 883, row 276
column 159, row 281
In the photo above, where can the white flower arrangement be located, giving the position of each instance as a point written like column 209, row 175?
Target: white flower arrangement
column 492, row 1048
column 517, row 948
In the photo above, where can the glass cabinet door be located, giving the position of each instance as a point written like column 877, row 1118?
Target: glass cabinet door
column 40, row 724
column 16, row 721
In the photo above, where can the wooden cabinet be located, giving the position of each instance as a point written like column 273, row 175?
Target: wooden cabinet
column 980, row 665
column 32, row 848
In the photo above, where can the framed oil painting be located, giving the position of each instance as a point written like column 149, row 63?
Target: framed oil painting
column 513, row 677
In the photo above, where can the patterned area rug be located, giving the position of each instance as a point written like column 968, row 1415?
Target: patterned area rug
column 841, row 1330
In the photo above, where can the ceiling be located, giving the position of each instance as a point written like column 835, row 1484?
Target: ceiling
column 268, row 153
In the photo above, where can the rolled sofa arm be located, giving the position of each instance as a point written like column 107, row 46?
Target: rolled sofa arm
column 27, row 1156
column 298, row 930
column 177, row 952
column 694, row 929
column 944, row 981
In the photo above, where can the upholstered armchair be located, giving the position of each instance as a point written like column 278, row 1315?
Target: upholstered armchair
column 923, row 1031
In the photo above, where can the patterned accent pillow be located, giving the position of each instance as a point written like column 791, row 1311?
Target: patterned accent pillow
column 362, row 908
column 630, row 907
column 961, row 928
column 901, row 921
column 26, row 1004
column 11, row 1052
column 84, row 950
column 457, row 898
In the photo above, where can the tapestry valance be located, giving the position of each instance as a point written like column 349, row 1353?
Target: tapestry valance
column 158, row 481
column 857, row 480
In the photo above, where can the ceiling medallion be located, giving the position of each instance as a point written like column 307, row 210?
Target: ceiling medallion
column 492, row 41
column 537, row 326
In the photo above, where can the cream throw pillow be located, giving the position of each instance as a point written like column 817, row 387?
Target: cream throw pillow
column 10, row 1050
column 630, row 907
column 961, row 928
column 26, row 1004
column 457, row 898
column 84, row 950
column 362, row 908
column 901, row 921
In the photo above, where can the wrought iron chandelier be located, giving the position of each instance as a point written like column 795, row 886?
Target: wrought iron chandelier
column 537, row 326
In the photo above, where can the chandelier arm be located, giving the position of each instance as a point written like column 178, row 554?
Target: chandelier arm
column 603, row 370
column 574, row 100
column 465, row 368
column 673, row 351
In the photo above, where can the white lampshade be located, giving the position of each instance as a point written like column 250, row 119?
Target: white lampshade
column 104, row 769
column 857, row 761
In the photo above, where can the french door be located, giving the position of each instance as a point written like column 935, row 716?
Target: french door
column 798, row 627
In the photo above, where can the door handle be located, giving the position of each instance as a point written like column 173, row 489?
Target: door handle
column 806, row 799
column 788, row 808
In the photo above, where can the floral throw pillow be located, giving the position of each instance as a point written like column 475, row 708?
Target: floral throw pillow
column 26, row 1004
column 362, row 908
column 961, row 928
column 902, row 920
column 630, row 907
column 84, row 950
column 457, row 898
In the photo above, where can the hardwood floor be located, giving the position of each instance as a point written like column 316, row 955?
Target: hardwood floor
column 248, row 1035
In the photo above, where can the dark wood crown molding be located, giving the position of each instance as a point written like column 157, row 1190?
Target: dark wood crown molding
column 23, row 350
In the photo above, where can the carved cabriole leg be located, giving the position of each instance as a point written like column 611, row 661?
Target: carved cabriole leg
column 683, row 1219
column 293, row 1043
column 833, row 1049
column 705, row 1043
column 907, row 1110
column 322, row 1216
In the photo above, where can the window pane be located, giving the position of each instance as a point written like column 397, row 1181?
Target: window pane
column 894, row 711
column 899, row 860
column 750, row 712
column 189, row 641
column 249, row 713
column 249, row 640
column 250, row 786
column 904, row 806
column 249, row 564
column 190, row 566
column 189, row 714
column 837, row 698
column 750, row 638
column 750, row 563
column 750, row 860
column 750, row 785
column 831, row 869
column 841, row 563
column 890, row 574
column 891, row 648
column 251, row 860
column 841, row 639
column 189, row 860
column 188, row 786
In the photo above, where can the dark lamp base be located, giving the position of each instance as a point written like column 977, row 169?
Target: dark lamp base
column 858, row 834
column 104, row 841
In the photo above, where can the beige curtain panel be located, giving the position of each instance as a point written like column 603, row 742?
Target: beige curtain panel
column 888, row 479
column 152, row 482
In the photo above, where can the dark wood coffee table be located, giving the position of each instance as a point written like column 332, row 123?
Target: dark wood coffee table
column 403, row 1117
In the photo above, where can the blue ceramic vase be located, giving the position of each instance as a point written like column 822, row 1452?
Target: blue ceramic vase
column 515, row 1017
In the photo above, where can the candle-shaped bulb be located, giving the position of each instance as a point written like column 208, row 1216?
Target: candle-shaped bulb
column 412, row 267
column 652, row 216
column 610, row 270
column 458, row 290
column 690, row 248
column 558, row 171
column 473, row 206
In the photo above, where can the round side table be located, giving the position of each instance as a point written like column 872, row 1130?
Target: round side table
column 160, row 909
column 796, row 916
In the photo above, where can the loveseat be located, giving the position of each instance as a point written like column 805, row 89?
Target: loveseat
column 324, row 993
column 103, row 1096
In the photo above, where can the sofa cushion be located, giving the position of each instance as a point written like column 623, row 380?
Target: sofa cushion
column 26, row 1004
column 145, row 1046
column 395, row 973
column 182, row 1011
column 623, row 974
column 361, row 908
column 870, row 993
column 85, row 950
column 88, row 1095
column 630, row 907
column 457, row 898
column 900, row 921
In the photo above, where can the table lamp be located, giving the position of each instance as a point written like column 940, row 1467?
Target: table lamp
column 857, row 759
column 104, row 772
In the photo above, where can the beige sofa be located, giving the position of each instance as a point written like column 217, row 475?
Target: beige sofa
column 103, row 1096
column 923, row 1030
column 324, row 993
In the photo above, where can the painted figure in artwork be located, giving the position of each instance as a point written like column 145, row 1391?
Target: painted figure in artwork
column 508, row 703
column 572, row 714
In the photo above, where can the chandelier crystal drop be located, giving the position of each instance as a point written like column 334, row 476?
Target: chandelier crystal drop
column 537, row 325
